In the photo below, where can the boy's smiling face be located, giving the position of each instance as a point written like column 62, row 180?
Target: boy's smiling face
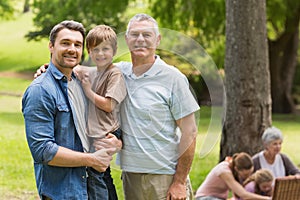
column 102, row 54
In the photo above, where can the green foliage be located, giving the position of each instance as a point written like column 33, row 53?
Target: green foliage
column 202, row 20
column 278, row 13
column 205, row 20
column 89, row 13
column 6, row 9
column 182, row 15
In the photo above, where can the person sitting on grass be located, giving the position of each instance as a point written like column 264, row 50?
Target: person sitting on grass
column 228, row 175
column 271, row 158
column 260, row 182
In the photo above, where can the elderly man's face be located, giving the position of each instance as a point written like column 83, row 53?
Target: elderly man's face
column 141, row 39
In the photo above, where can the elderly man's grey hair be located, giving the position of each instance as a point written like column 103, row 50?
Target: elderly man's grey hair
column 143, row 17
column 271, row 134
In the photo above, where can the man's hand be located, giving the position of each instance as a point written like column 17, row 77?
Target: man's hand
column 110, row 141
column 177, row 191
column 102, row 159
column 41, row 70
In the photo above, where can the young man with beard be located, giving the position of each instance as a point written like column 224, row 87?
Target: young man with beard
column 59, row 161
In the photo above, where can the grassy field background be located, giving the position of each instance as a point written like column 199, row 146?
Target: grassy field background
column 16, row 53
column 16, row 166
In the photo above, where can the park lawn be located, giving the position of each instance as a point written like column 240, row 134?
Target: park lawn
column 16, row 167
column 18, row 54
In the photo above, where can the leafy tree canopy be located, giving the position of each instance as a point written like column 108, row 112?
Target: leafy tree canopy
column 202, row 20
column 89, row 13
column 183, row 15
column 205, row 20
column 6, row 9
column 281, row 17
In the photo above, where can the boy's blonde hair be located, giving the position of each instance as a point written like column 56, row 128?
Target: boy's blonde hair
column 99, row 34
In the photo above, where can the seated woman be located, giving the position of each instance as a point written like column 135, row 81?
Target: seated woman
column 271, row 158
column 228, row 175
column 260, row 182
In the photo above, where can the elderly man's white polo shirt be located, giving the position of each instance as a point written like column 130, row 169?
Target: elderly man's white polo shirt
column 155, row 100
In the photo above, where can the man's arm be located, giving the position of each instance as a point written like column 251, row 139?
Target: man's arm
column 187, row 146
column 79, row 70
column 99, row 160
column 38, row 108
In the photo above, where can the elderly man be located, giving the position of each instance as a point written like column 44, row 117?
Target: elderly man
column 156, row 157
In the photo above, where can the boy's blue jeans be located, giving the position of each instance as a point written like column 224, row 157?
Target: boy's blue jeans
column 100, row 184
column 96, row 185
column 112, row 193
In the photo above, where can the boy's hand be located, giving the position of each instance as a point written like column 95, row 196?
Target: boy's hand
column 110, row 141
column 87, row 87
column 86, row 84
column 79, row 71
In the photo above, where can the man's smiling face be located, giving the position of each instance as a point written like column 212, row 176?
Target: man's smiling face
column 67, row 50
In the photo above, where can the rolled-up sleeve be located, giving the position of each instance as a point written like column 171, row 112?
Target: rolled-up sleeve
column 38, row 108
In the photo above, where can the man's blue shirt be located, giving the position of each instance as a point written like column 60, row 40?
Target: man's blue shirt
column 49, row 124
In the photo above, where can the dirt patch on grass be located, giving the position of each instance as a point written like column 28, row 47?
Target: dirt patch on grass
column 22, row 75
column 9, row 74
column 25, row 195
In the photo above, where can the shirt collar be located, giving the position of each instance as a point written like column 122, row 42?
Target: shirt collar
column 152, row 71
column 58, row 74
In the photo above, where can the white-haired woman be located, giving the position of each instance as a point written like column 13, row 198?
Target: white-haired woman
column 271, row 158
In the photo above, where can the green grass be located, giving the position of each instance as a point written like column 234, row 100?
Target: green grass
column 16, row 172
column 16, row 53
column 16, row 167
column 9, row 85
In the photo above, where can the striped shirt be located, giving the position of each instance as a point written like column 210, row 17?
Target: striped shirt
column 155, row 100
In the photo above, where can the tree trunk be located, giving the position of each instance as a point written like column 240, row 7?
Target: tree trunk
column 26, row 6
column 247, row 78
column 283, row 62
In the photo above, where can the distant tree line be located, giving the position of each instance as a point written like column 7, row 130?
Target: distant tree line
column 204, row 21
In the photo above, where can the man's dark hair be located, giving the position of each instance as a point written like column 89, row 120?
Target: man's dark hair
column 68, row 24
column 71, row 25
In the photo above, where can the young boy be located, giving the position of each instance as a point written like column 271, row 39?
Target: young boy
column 105, row 88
